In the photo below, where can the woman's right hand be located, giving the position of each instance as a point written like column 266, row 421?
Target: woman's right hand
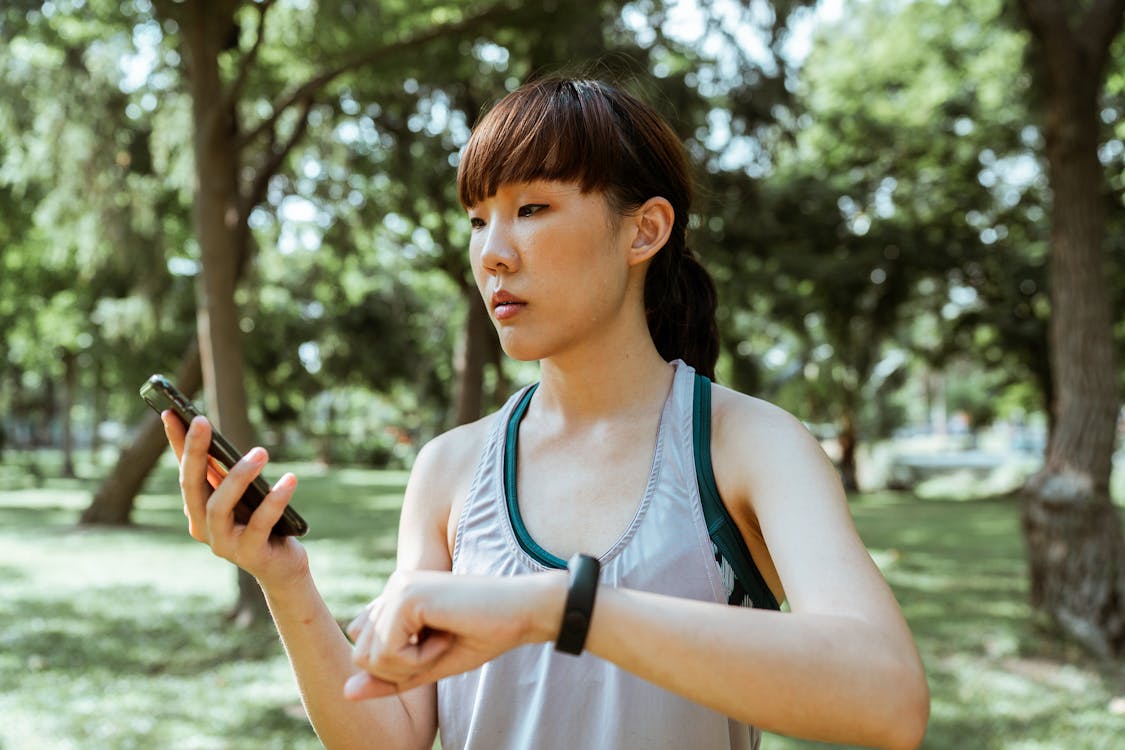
column 209, row 501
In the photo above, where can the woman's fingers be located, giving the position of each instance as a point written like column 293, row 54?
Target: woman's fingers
column 427, row 625
column 431, row 648
column 362, row 686
column 175, row 431
column 394, row 649
column 220, row 506
column 211, row 493
column 355, row 627
column 193, row 472
column 210, row 511
column 267, row 514
column 389, row 668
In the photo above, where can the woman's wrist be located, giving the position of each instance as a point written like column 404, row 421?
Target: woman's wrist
column 294, row 583
column 547, row 598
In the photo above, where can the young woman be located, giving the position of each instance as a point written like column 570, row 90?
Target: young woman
column 697, row 508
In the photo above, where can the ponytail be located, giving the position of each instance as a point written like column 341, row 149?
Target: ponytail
column 680, row 301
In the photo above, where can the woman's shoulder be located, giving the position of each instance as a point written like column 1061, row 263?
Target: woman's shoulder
column 761, row 444
column 456, row 450
column 440, row 480
column 743, row 417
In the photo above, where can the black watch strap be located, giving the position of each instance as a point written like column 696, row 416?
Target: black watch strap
column 581, row 589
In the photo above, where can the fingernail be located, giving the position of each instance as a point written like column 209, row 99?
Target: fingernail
column 256, row 456
column 354, row 684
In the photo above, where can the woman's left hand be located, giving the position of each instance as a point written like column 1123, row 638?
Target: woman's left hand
column 427, row 625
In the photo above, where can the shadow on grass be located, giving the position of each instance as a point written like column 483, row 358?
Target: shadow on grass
column 11, row 574
column 358, row 507
column 999, row 678
column 127, row 631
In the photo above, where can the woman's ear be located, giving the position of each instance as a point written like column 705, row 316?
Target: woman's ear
column 653, row 222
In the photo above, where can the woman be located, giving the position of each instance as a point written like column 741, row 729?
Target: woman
column 688, row 498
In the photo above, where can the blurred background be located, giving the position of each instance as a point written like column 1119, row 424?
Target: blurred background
column 914, row 211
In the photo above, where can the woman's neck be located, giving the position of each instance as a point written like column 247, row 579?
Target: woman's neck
column 593, row 387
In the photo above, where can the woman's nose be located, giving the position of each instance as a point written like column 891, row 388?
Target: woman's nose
column 499, row 253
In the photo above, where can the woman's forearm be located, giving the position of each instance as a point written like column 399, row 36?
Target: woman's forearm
column 320, row 655
column 825, row 677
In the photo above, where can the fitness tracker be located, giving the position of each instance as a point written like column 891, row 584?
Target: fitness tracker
column 580, row 592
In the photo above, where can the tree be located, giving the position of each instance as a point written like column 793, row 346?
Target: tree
column 233, row 165
column 85, row 283
column 259, row 92
column 1075, row 545
column 236, row 157
column 113, row 502
column 875, row 208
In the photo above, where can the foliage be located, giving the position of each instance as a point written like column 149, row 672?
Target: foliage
column 872, row 212
column 900, row 224
column 350, row 128
column 86, row 236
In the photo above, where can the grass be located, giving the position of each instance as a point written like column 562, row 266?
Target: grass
column 998, row 678
column 116, row 638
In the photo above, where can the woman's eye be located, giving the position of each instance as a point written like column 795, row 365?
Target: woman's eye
column 531, row 209
column 475, row 222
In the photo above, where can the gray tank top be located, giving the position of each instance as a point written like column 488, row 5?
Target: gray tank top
column 533, row 697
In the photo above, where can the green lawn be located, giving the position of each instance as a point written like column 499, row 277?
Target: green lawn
column 115, row 638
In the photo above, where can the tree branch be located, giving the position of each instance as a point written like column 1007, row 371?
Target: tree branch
column 1047, row 20
column 273, row 162
column 167, row 9
column 247, row 62
column 1089, row 38
column 309, row 88
column 1099, row 26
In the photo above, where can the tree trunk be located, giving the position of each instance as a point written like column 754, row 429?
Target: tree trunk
column 97, row 403
column 478, row 348
column 1076, row 552
column 849, row 440
column 219, row 224
column 113, row 502
column 70, row 375
column 42, row 435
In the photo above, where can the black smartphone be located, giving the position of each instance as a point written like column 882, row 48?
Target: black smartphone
column 159, row 393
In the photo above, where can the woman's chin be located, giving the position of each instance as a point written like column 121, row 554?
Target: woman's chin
column 521, row 354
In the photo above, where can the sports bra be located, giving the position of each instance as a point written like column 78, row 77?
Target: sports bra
column 744, row 583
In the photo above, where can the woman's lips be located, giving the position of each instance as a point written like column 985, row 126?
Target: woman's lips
column 505, row 305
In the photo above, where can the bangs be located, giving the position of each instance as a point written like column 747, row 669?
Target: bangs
column 547, row 130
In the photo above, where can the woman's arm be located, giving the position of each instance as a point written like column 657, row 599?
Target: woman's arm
column 825, row 677
column 320, row 654
column 840, row 666
column 321, row 659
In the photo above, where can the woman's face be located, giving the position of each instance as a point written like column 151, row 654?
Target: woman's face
column 551, row 263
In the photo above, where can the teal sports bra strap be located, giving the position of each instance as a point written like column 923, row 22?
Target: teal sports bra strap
column 721, row 527
column 523, row 537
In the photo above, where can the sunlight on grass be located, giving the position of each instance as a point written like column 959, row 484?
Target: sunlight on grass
column 997, row 680
column 116, row 638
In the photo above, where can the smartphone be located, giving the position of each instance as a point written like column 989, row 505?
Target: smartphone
column 159, row 393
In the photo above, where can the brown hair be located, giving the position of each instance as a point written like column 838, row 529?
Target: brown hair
column 607, row 140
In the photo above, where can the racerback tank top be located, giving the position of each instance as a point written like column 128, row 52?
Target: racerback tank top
column 534, row 697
